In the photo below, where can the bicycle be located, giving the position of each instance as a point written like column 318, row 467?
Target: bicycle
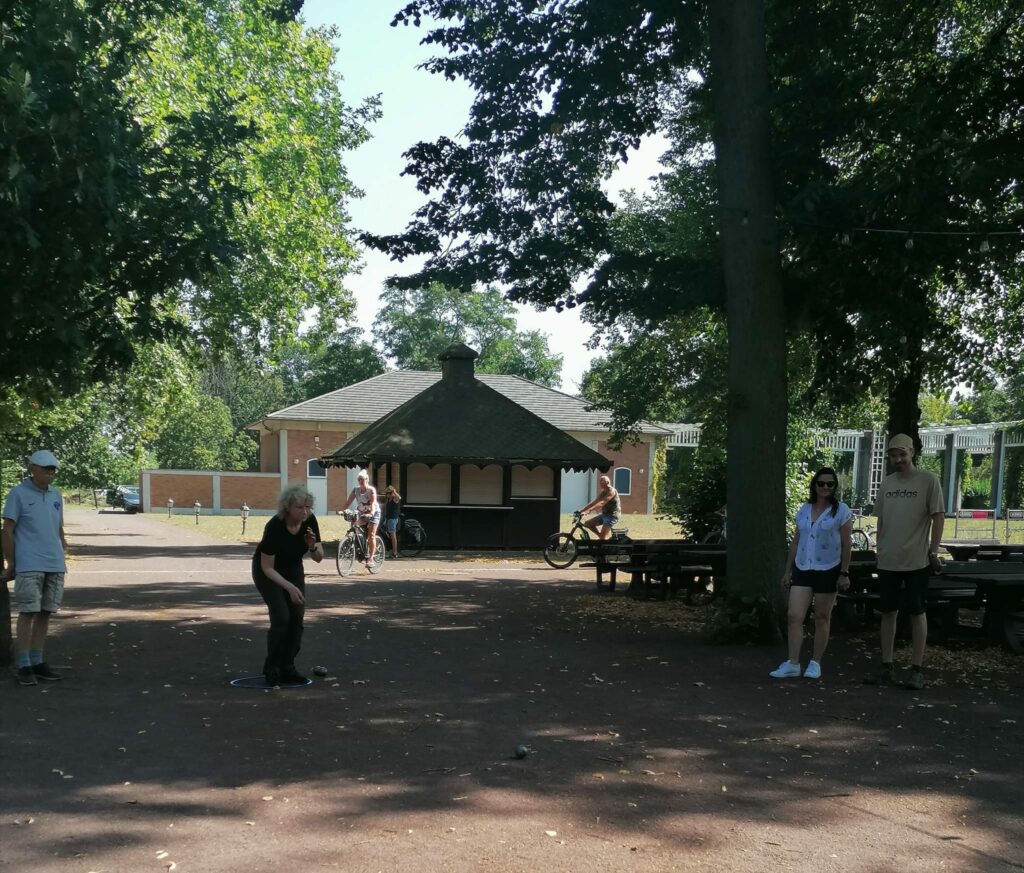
column 560, row 551
column 716, row 536
column 864, row 536
column 412, row 537
column 353, row 546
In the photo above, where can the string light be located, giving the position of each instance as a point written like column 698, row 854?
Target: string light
column 909, row 244
column 845, row 238
column 985, row 246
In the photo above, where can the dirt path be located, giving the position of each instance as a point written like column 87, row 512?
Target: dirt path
column 650, row 750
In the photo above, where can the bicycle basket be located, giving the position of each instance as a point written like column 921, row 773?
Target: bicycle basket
column 411, row 524
column 348, row 515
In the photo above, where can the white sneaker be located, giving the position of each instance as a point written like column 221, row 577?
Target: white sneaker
column 813, row 670
column 787, row 670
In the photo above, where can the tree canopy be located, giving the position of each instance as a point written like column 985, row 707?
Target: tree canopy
column 99, row 222
column 173, row 171
column 414, row 326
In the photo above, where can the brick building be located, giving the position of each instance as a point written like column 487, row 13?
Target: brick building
column 293, row 441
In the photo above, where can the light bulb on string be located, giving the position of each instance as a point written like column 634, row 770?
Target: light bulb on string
column 985, row 246
column 909, row 244
column 845, row 238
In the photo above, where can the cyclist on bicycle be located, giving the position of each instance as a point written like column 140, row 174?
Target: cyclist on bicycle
column 611, row 508
column 367, row 511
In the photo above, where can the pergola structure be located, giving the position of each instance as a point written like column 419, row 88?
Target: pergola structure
column 477, row 469
column 868, row 450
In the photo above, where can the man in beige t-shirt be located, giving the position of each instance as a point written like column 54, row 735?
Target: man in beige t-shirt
column 910, row 521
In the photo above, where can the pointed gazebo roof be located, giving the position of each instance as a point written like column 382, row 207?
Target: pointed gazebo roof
column 460, row 419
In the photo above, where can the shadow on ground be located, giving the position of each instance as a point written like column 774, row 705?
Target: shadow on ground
column 649, row 734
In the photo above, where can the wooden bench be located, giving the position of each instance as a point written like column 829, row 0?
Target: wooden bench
column 1000, row 587
column 604, row 556
column 668, row 566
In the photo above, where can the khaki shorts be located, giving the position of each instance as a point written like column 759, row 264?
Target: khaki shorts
column 38, row 592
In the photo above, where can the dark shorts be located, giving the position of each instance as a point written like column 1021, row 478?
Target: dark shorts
column 819, row 581
column 903, row 590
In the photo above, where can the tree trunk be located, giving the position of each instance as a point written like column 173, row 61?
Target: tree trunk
column 6, row 639
column 904, row 413
column 757, row 401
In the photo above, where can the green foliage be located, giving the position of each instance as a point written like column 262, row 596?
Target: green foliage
column 659, row 473
column 319, row 364
column 98, row 223
column 415, row 326
column 246, row 388
column 279, row 79
column 199, row 436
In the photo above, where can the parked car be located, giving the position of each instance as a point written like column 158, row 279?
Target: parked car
column 124, row 496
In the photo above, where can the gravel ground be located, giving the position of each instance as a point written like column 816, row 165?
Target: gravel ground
column 648, row 748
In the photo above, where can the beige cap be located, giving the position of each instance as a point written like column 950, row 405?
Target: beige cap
column 902, row 441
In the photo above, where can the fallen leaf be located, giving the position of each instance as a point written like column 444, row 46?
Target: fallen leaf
column 268, row 797
column 551, row 833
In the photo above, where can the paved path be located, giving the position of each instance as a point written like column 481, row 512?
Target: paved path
column 650, row 750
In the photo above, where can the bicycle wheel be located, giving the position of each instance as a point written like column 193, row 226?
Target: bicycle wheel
column 713, row 538
column 346, row 556
column 378, row 556
column 411, row 541
column 859, row 540
column 560, row 552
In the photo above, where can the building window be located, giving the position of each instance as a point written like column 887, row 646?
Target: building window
column 314, row 469
column 480, row 487
column 429, row 484
column 538, row 482
column 622, row 479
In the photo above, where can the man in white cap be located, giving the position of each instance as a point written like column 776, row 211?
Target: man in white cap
column 910, row 521
column 34, row 544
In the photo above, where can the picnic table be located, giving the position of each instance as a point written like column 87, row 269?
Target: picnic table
column 999, row 585
column 671, row 565
column 984, row 550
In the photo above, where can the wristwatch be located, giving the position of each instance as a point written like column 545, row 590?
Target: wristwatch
column 844, row 572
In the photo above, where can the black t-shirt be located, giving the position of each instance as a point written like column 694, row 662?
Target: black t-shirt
column 287, row 548
column 392, row 508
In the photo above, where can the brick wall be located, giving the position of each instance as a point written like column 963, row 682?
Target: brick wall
column 270, row 451
column 306, row 444
column 259, row 492
column 637, row 458
column 183, row 488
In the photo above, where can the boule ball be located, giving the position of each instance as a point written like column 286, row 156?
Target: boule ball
column 319, row 671
column 521, row 751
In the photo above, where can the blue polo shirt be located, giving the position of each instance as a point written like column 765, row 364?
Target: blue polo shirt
column 38, row 517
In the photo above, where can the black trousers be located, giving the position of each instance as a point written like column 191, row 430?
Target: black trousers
column 284, row 639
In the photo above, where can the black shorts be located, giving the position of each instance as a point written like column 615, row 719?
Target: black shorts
column 903, row 590
column 819, row 581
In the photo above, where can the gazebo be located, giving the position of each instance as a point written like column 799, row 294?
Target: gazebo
column 475, row 467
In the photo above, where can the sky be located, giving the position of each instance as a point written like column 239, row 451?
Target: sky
column 375, row 58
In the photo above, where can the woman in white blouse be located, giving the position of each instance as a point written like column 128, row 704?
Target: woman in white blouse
column 820, row 552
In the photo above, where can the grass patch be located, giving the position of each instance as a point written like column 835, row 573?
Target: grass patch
column 640, row 527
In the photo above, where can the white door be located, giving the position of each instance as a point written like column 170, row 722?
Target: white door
column 316, row 482
column 575, row 491
column 351, row 481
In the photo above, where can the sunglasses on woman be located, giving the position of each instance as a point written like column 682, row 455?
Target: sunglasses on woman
column 825, row 483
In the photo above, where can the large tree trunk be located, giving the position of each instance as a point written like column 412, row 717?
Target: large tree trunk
column 6, row 640
column 904, row 388
column 757, row 402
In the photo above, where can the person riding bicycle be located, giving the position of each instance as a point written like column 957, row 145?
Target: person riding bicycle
column 392, row 513
column 364, row 495
column 611, row 508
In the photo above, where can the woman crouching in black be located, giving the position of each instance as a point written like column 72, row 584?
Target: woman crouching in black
column 279, row 577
